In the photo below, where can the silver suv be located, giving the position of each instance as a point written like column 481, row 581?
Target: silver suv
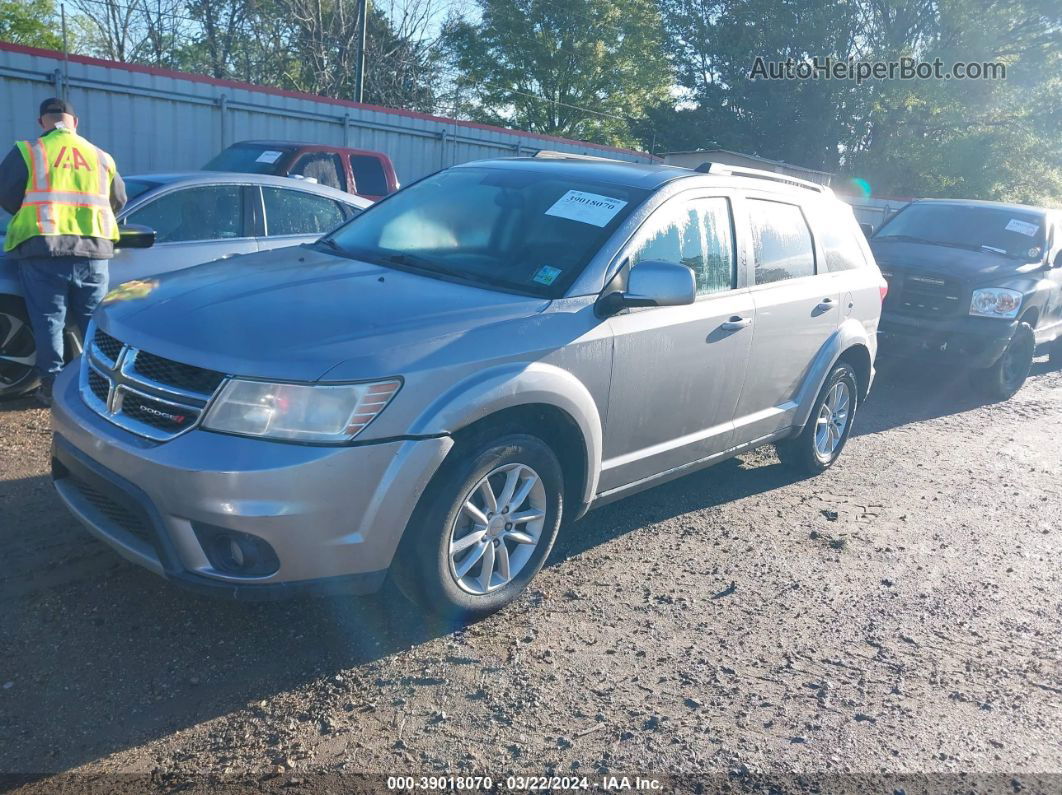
column 430, row 390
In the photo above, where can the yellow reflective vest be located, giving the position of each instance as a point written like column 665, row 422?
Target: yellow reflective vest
column 68, row 191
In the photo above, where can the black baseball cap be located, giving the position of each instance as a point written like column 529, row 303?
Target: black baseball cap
column 56, row 105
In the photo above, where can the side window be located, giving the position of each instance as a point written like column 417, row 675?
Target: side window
column 324, row 167
column 781, row 241
column 369, row 177
column 209, row 212
column 839, row 236
column 697, row 234
column 296, row 212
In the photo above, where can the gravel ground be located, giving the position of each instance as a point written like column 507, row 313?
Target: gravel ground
column 898, row 614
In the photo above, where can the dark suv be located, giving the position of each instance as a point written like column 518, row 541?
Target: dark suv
column 977, row 283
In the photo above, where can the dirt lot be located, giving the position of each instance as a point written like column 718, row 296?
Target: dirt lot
column 901, row 613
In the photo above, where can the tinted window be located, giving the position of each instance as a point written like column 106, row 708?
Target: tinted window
column 781, row 241
column 697, row 234
column 249, row 159
column 1013, row 232
column 326, row 168
column 295, row 212
column 210, row 212
column 369, row 177
column 529, row 230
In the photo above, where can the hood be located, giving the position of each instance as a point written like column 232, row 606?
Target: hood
column 294, row 313
column 958, row 263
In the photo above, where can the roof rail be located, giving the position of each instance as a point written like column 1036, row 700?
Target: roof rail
column 724, row 170
column 549, row 154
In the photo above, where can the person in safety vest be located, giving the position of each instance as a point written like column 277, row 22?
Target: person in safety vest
column 63, row 193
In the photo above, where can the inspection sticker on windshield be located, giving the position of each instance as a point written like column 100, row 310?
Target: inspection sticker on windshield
column 268, row 156
column 588, row 208
column 547, row 274
column 1024, row 227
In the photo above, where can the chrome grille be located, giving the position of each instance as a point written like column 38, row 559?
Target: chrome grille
column 148, row 395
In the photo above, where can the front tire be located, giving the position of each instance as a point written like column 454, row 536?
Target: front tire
column 483, row 528
column 819, row 445
column 18, row 351
column 1003, row 379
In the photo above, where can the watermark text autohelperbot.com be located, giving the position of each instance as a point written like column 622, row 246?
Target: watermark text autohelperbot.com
column 828, row 68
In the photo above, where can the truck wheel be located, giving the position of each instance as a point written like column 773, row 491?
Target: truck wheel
column 18, row 351
column 1004, row 378
column 483, row 528
column 816, row 448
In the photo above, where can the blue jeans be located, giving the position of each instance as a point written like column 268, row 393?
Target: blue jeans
column 54, row 287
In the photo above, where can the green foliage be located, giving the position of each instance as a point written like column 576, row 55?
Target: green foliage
column 33, row 23
column 575, row 68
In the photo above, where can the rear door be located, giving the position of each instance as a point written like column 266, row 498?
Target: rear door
column 677, row 371
column 291, row 217
column 193, row 225
column 797, row 302
column 325, row 168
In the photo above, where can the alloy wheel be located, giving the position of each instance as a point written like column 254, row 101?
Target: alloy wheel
column 832, row 420
column 18, row 354
column 497, row 529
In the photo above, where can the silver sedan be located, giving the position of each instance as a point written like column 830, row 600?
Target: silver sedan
column 197, row 217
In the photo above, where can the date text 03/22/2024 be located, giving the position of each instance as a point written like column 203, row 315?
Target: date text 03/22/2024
column 522, row 783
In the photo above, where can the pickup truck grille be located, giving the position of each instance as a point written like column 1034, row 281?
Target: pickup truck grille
column 146, row 394
column 923, row 295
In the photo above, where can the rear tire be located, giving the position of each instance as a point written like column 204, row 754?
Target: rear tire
column 819, row 445
column 459, row 559
column 1003, row 379
column 16, row 342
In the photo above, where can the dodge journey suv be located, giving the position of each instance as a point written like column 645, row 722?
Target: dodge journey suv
column 430, row 390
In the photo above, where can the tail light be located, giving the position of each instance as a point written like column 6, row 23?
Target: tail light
column 883, row 288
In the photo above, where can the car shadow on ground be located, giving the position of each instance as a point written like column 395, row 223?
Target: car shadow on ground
column 103, row 656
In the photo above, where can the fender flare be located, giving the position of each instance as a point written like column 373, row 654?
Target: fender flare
column 513, row 385
column 850, row 334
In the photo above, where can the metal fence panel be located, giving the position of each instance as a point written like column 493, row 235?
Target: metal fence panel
column 153, row 120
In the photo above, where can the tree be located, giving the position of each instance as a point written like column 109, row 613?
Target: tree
column 576, row 68
column 30, row 22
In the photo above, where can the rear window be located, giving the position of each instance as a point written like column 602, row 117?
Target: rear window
column 249, row 159
column 369, row 177
column 840, row 238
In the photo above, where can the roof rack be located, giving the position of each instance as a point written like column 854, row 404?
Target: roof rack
column 724, row 170
column 549, row 154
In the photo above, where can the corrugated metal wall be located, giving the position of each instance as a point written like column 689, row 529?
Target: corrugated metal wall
column 153, row 121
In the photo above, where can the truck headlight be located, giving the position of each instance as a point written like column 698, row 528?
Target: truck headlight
column 995, row 302
column 299, row 412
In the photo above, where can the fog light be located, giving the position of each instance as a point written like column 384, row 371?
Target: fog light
column 233, row 552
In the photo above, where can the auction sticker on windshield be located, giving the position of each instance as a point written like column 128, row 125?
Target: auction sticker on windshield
column 1024, row 227
column 547, row 274
column 268, row 156
column 588, row 208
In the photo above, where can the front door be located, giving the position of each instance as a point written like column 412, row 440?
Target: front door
column 677, row 371
column 192, row 225
column 798, row 308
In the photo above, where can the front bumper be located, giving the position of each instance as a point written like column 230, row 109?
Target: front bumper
column 333, row 515
column 974, row 342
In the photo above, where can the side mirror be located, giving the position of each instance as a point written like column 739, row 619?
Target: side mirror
column 868, row 230
column 653, row 283
column 135, row 236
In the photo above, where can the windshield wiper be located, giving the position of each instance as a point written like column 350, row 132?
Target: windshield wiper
column 332, row 244
column 928, row 242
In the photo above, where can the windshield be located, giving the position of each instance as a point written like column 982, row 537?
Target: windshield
column 528, row 231
column 248, row 159
column 134, row 187
column 1016, row 233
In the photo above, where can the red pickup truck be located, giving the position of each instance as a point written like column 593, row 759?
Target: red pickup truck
column 365, row 173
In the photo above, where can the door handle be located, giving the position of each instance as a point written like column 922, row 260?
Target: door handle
column 736, row 323
column 826, row 304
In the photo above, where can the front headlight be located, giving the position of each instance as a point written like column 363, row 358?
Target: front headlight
column 300, row 412
column 995, row 302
